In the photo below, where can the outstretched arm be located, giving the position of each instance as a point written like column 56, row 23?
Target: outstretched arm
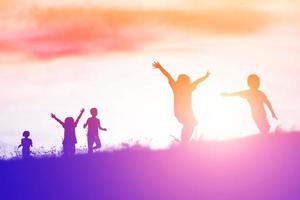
column 79, row 116
column 240, row 94
column 157, row 65
column 19, row 146
column 58, row 120
column 268, row 103
column 101, row 128
column 200, row 80
column 85, row 125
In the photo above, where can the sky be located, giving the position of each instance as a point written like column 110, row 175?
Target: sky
column 59, row 57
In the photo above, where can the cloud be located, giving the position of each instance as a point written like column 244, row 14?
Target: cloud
column 45, row 33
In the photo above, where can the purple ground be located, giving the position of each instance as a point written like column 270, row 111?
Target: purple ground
column 253, row 168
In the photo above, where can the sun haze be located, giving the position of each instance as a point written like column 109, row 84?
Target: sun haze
column 59, row 57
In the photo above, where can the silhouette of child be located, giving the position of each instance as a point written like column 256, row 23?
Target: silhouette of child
column 93, row 124
column 182, row 90
column 256, row 100
column 69, row 140
column 26, row 143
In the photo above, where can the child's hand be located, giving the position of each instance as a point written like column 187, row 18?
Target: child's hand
column 225, row 94
column 207, row 74
column 156, row 65
column 53, row 115
column 104, row 129
column 82, row 110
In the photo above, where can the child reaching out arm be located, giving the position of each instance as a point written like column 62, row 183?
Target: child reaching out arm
column 86, row 123
column 93, row 125
column 200, row 80
column 268, row 103
column 58, row 120
column 79, row 116
column 243, row 94
column 240, row 94
column 101, row 128
column 157, row 65
column 256, row 99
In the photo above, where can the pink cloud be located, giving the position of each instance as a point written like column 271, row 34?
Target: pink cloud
column 66, row 31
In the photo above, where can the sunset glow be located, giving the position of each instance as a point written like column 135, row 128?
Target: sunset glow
column 61, row 57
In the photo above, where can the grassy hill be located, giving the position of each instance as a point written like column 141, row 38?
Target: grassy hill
column 257, row 167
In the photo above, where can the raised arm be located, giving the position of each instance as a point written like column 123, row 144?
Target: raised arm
column 157, row 65
column 268, row 103
column 200, row 80
column 58, row 120
column 79, row 116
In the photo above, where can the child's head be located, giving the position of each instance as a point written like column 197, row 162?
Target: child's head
column 69, row 121
column 26, row 134
column 183, row 79
column 253, row 81
column 94, row 112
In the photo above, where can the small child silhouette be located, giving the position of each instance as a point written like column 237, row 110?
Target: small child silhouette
column 182, row 90
column 26, row 143
column 93, row 124
column 256, row 100
column 69, row 140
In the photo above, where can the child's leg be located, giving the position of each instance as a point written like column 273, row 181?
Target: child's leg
column 90, row 140
column 264, row 129
column 65, row 149
column 72, row 149
column 98, row 142
column 186, row 133
column 69, row 149
column 263, row 125
column 25, row 153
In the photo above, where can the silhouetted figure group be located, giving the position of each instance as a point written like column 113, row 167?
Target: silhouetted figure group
column 182, row 89
column 70, row 125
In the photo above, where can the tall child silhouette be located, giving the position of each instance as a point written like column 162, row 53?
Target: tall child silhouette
column 93, row 124
column 182, row 90
column 69, row 134
column 256, row 100
column 26, row 143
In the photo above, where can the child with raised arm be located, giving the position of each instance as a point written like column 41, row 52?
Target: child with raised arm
column 256, row 100
column 94, row 125
column 26, row 143
column 182, row 89
column 69, row 126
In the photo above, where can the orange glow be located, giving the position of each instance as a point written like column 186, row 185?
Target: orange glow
column 64, row 55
